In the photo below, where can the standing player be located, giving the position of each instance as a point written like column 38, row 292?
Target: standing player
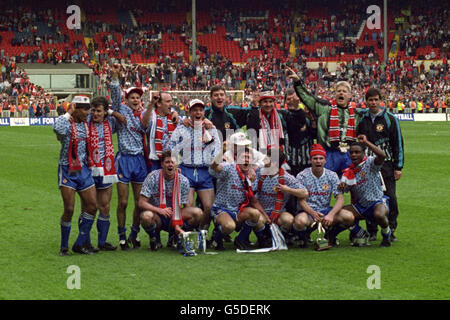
column 383, row 129
column 235, row 205
column 164, row 201
column 321, row 184
column 198, row 146
column 131, row 165
column 363, row 180
column 300, row 133
column 160, row 122
column 266, row 123
column 336, row 122
column 101, row 129
column 74, row 175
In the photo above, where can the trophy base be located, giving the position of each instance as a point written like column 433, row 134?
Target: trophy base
column 322, row 245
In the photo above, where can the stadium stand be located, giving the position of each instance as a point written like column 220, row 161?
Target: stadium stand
column 243, row 46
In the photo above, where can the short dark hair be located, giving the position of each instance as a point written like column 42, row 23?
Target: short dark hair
column 216, row 88
column 100, row 101
column 290, row 91
column 358, row 144
column 373, row 92
column 167, row 154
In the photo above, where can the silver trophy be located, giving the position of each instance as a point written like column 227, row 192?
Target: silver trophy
column 194, row 241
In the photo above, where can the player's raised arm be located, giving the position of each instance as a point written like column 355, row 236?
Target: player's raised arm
column 380, row 154
column 115, row 87
column 316, row 106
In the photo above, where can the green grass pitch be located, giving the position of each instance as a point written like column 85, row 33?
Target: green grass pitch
column 416, row 267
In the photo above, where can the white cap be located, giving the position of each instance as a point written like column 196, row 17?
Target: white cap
column 138, row 90
column 196, row 102
column 81, row 99
column 240, row 139
column 267, row 95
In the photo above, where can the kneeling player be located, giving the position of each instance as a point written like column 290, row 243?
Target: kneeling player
column 231, row 209
column 362, row 178
column 274, row 187
column 321, row 183
column 163, row 200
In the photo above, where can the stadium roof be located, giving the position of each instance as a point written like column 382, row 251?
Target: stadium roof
column 61, row 68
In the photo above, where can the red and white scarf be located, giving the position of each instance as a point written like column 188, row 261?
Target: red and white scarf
column 138, row 113
column 272, row 130
column 107, row 170
column 177, row 219
column 349, row 174
column 248, row 192
column 74, row 161
column 280, row 196
column 334, row 132
column 158, row 131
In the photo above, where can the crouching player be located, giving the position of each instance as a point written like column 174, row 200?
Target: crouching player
column 321, row 184
column 74, row 175
column 273, row 189
column 100, row 144
column 362, row 178
column 163, row 201
column 231, row 209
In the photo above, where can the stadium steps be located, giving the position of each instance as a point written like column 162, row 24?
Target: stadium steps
column 123, row 17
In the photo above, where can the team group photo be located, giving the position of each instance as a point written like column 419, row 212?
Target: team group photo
column 243, row 151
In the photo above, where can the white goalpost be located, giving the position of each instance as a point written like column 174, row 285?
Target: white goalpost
column 181, row 98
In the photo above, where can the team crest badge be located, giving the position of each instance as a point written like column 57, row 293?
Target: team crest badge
column 363, row 174
column 325, row 186
column 120, row 175
column 379, row 127
column 96, row 156
column 227, row 125
column 64, row 180
column 108, row 164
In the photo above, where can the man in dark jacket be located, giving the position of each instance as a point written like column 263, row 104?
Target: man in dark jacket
column 382, row 129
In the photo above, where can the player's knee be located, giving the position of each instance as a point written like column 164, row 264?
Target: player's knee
column 197, row 214
column 301, row 223
column 286, row 220
column 228, row 227
column 253, row 214
column 122, row 203
column 346, row 217
column 91, row 208
column 68, row 210
column 380, row 212
column 146, row 217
